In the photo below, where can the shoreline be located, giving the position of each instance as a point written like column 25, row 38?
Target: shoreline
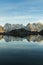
column 21, row 32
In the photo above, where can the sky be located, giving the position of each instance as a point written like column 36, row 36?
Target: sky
column 21, row 11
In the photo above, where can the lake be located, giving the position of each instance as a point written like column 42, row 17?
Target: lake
column 21, row 51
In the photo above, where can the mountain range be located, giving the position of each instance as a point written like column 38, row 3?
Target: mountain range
column 30, row 27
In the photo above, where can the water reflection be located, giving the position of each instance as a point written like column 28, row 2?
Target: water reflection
column 1, row 36
column 21, row 53
column 12, row 38
column 34, row 38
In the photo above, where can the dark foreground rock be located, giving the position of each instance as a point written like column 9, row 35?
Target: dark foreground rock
column 22, row 32
column 41, row 32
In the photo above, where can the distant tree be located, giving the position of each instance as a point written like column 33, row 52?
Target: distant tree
column 41, row 32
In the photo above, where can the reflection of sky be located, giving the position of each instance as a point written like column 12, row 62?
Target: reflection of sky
column 21, row 11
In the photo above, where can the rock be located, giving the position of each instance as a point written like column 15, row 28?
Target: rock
column 9, row 27
column 34, row 27
column 2, row 29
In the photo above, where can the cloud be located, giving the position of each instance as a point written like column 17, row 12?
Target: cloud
column 20, row 19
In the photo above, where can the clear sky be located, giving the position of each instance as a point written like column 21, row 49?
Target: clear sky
column 21, row 11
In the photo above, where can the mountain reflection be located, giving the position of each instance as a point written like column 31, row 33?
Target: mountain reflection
column 33, row 38
column 1, row 36
column 12, row 38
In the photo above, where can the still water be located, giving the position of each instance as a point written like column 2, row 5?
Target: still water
column 21, row 51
